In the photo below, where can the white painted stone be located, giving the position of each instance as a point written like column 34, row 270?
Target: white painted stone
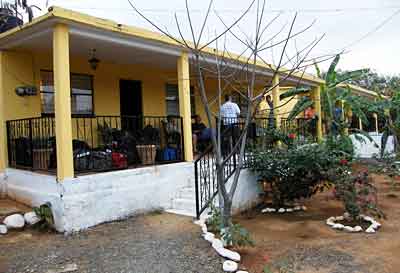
column 204, row 229
column 31, row 218
column 357, row 229
column 230, row 266
column 376, row 224
column 200, row 222
column 339, row 218
column 14, row 221
column 281, row 210
column 241, row 271
column 330, row 223
column 348, row 228
column 338, row 226
column 304, row 208
column 272, row 210
column 209, row 237
column 370, row 230
column 217, row 243
column 228, row 254
column 369, row 219
column 346, row 215
column 297, row 208
column 3, row 229
column 289, row 210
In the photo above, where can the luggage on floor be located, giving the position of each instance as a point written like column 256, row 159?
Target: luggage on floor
column 119, row 160
column 170, row 154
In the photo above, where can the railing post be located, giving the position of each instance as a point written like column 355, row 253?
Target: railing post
column 31, row 142
column 196, row 184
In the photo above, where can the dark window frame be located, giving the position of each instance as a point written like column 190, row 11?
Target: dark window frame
column 71, row 74
column 192, row 99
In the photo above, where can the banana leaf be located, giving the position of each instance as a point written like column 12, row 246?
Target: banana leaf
column 300, row 106
column 293, row 92
column 331, row 75
column 350, row 75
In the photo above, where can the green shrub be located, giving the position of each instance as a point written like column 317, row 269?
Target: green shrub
column 297, row 172
column 45, row 214
column 214, row 222
column 237, row 236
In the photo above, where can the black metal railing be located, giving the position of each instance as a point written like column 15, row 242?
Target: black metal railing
column 104, row 143
column 303, row 129
column 100, row 143
column 30, row 143
column 206, row 185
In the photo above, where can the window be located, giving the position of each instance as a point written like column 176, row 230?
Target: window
column 172, row 100
column 81, row 93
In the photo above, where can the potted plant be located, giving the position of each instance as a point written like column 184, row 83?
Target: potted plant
column 11, row 13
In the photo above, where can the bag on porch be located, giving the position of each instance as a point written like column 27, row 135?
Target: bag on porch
column 101, row 160
column 119, row 160
column 170, row 154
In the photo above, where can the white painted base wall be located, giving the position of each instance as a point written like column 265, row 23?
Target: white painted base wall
column 368, row 149
column 89, row 200
column 247, row 193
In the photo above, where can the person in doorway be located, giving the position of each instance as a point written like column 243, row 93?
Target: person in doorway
column 200, row 133
column 229, row 111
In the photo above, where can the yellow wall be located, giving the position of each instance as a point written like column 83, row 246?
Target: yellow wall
column 23, row 68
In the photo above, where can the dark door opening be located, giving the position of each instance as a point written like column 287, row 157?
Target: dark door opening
column 131, row 105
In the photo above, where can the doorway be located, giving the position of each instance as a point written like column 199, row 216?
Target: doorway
column 131, row 107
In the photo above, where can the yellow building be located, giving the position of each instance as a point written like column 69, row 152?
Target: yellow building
column 69, row 81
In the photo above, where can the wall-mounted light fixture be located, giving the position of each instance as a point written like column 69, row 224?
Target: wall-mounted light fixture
column 93, row 61
column 26, row 91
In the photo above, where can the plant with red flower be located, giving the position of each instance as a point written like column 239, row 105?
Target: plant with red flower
column 343, row 161
column 292, row 136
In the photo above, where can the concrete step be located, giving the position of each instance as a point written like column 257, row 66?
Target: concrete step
column 184, row 204
column 181, row 212
column 187, row 193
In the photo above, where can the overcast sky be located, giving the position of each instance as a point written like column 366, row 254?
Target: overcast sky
column 344, row 22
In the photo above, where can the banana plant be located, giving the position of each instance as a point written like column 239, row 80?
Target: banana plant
column 334, row 91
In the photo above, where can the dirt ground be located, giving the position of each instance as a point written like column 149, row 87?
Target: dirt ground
column 157, row 243
column 303, row 243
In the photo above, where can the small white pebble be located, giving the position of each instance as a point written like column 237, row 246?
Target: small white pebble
column 338, row 226
column 357, row 229
column 230, row 266
column 370, row 230
column 281, row 210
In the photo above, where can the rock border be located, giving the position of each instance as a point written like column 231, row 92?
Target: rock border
column 18, row 221
column 373, row 228
column 232, row 258
column 284, row 210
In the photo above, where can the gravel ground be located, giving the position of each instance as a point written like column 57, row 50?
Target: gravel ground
column 144, row 244
column 320, row 259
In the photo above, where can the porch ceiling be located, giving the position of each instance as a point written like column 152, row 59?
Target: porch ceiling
column 110, row 47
